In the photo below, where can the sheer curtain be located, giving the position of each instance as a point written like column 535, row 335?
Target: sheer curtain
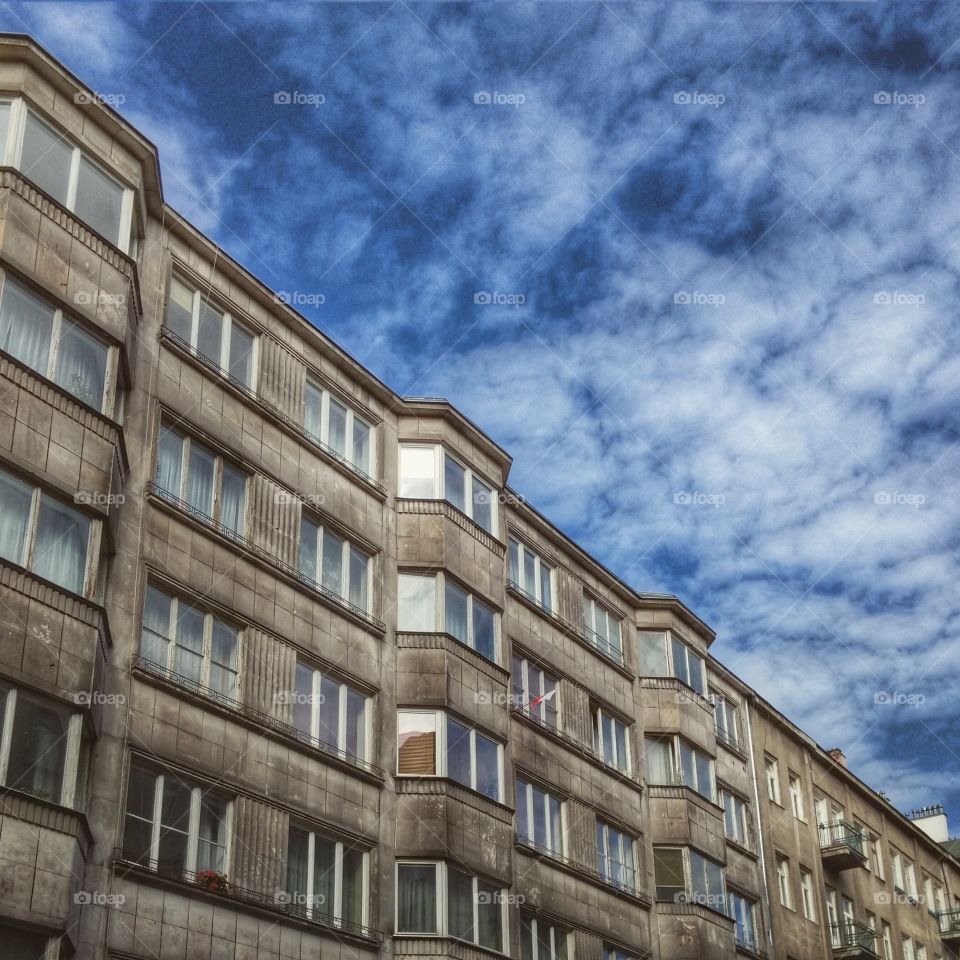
column 358, row 579
column 660, row 766
column 82, row 365
column 15, row 500
column 455, row 611
column 416, row 898
column 200, row 480
column 26, row 325
column 155, row 638
column 232, row 500
column 460, row 905
column 416, row 603
column 298, row 849
column 188, row 658
column 38, row 749
column 60, row 553
column 169, row 461
column 324, row 875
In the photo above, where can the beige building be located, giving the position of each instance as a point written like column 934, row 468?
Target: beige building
column 288, row 671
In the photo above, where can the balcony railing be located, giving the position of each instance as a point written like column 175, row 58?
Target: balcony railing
column 853, row 935
column 949, row 921
column 608, row 649
column 728, row 738
column 838, row 833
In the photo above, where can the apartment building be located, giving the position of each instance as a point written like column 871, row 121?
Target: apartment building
column 288, row 670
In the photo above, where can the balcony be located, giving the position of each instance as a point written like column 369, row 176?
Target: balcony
column 841, row 845
column 851, row 940
column 949, row 923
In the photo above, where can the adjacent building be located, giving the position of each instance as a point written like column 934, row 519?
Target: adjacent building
column 287, row 670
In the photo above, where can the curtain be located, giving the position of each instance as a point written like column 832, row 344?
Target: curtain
column 653, row 654
column 26, row 326
column 358, row 579
column 233, row 486
column 211, row 840
column 200, row 467
column 209, row 332
column 223, row 660
column 60, row 553
column 82, row 365
column 169, row 461
column 155, row 637
column 45, row 158
column 352, row 897
column 416, row 603
column 99, row 199
column 417, row 472
column 298, row 850
column 460, row 905
column 180, row 310
column 337, row 423
column 455, row 611
column 188, row 658
column 660, row 767
column 15, row 500
column 38, row 750
column 328, row 711
column 324, row 875
column 332, row 564
column 416, row 898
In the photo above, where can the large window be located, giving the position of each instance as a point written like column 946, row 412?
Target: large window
column 807, row 897
column 783, row 881
column 736, row 818
column 542, row 940
column 429, row 603
column 725, row 720
column 663, row 655
column 336, row 426
column 616, row 856
column 43, row 534
column 539, row 818
column 194, row 645
column 535, row 691
column 212, row 333
column 771, row 773
column 39, row 746
column 39, row 335
column 475, row 911
column 431, row 743
column 334, row 564
column 211, row 487
column 611, row 741
column 744, row 913
column 430, row 473
column 331, row 713
column 531, row 574
column 796, row 795
column 326, row 878
column 683, row 874
column 602, row 628
column 175, row 826
column 671, row 760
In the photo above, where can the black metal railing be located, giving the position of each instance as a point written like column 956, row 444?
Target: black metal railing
column 949, row 921
column 610, row 650
column 593, row 872
column 852, row 933
column 728, row 738
column 841, row 833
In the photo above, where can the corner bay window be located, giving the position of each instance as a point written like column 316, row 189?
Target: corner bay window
column 337, row 427
column 431, row 743
column 743, row 911
column 428, row 472
column 602, row 628
column 173, row 825
column 326, row 879
column 611, row 742
column 535, row 691
column 530, row 574
column 331, row 713
column 334, row 564
column 211, row 332
column 39, row 336
column 663, row 655
column 684, row 875
column 616, row 856
column 43, row 535
column 539, row 818
column 542, row 940
column 671, row 760
column 428, row 603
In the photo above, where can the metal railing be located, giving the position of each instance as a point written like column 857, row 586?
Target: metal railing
column 841, row 833
column 728, row 738
column 852, row 933
column 608, row 649
column 593, row 872
column 949, row 921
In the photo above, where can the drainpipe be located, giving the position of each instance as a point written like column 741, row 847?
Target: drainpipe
column 767, row 921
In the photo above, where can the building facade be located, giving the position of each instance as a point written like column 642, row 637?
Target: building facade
column 287, row 670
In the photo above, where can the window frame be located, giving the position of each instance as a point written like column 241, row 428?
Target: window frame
column 730, row 711
column 796, row 796
column 771, row 773
column 526, row 665
column 593, row 636
column 323, row 438
column 347, row 546
column 317, row 676
column 529, row 786
column 807, row 894
column 740, row 816
column 668, row 641
column 557, row 931
column 751, row 910
column 627, row 859
column 600, row 712
column 784, row 880
column 677, row 745
column 538, row 566
column 689, row 892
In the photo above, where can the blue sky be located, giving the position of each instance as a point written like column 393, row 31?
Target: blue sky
column 723, row 349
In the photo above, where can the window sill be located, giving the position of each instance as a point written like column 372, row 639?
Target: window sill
column 741, row 848
column 421, row 944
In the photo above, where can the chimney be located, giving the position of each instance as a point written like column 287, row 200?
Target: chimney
column 837, row 756
column 932, row 820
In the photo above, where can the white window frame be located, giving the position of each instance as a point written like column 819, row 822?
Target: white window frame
column 538, row 565
column 528, row 800
column 677, row 745
column 807, row 897
column 540, row 710
column 343, row 688
column 593, row 635
column 795, row 789
column 666, row 638
column 599, row 714
column 783, row 881
column 626, row 858
column 325, row 396
column 557, row 932
column 750, row 911
column 886, row 938
column 71, row 753
column 771, row 772
column 740, row 816
column 896, row 860
column 910, row 876
column 337, row 913
column 346, row 546
column 728, row 731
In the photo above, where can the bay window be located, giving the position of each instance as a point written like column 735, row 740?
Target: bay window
column 326, row 879
column 725, row 720
column 212, row 333
column 542, row 940
column 423, row 607
column 535, row 691
column 684, row 875
column 736, row 818
column 335, row 565
column 475, row 911
column 428, row 472
column 610, row 740
column 602, row 628
column 336, row 426
column 671, row 760
column 669, row 873
column 744, row 913
column 39, row 747
column 210, row 486
column 530, row 574
column 539, row 818
column 43, row 534
column 663, row 655
column 616, row 857
column 175, row 826
column 431, row 743
column 195, row 646
column 331, row 713
column 38, row 335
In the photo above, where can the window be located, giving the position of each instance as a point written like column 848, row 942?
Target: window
column 897, row 860
column 783, row 881
column 212, row 333
column 706, row 878
column 333, row 564
column 530, row 574
column 684, row 875
column 694, row 770
column 331, row 713
column 886, row 939
column 833, row 918
column 669, row 873
column 610, row 740
column 462, row 616
column 22, row 944
column 175, row 826
column 75, row 181
column 430, row 473
column 910, row 876
column 928, row 897
column 43, row 535
column 806, row 895
column 191, row 644
column 663, row 655
column 430, row 743
column 743, row 911
column 39, row 747
column 539, row 818
column 613, row 953
column 335, row 425
column 602, row 628
column 907, row 943
column 877, row 858
column 39, row 336
column 209, row 486
column 796, row 795
column 535, row 691
column 541, row 940
column 771, row 771
column 475, row 910
column 736, row 819
column 616, row 857
column 725, row 720
column 921, row 951
column 326, row 878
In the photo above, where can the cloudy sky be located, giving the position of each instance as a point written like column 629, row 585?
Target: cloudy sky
column 694, row 265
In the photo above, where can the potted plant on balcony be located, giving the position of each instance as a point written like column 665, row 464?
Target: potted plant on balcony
column 213, row 881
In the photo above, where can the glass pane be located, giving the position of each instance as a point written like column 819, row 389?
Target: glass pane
column 539, row 818
column 308, row 550
column 703, row 775
column 174, row 826
column 331, row 576
column 546, row 597
column 489, row 916
column 680, row 661
column 358, row 579
column 303, row 700
column 45, row 159
column 416, row 898
column 696, row 673
column 233, row 487
column 550, row 705
column 180, row 310
column 355, row 735
column 60, row 553
column 454, row 480
column 606, row 734
column 15, row 498
column 526, row 939
column 210, row 332
column 337, row 435
column 488, row 767
column 200, row 467
column 188, row 656
column 417, row 472
column 82, row 365
column 99, row 199
column 223, row 655
column 523, row 824
column 554, row 826
column 361, row 444
column 312, row 399
column 26, row 325
column 529, row 573
column 169, row 461
column 455, row 611
column 38, row 749
column 155, row 638
column 668, row 872
column 298, row 852
column 4, row 126
column 484, row 636
column 328, row 712
column 352, row 886
column 688, row 775
column 416, row 739
column 659, row 757
column 620, row 745
column 460, row 905
column 212, row 837
column 458, row 752
column 653, row 654
column 324, row 875
column 138, row 823
column 241, row 355
column 416, row 603
column 513, row 572
column 482, row 504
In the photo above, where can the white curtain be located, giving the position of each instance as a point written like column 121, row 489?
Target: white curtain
column 200, row 480
column 417, row 898
column 60, row 553
column 82, row 365
column 14, row 515
column 169, row 461
column 660, row 766
column 45, row 158
column 455, row 612
column 232, row 500
column 416, row 603
column 188, row 659
column 26, row 325
column 155, row 639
